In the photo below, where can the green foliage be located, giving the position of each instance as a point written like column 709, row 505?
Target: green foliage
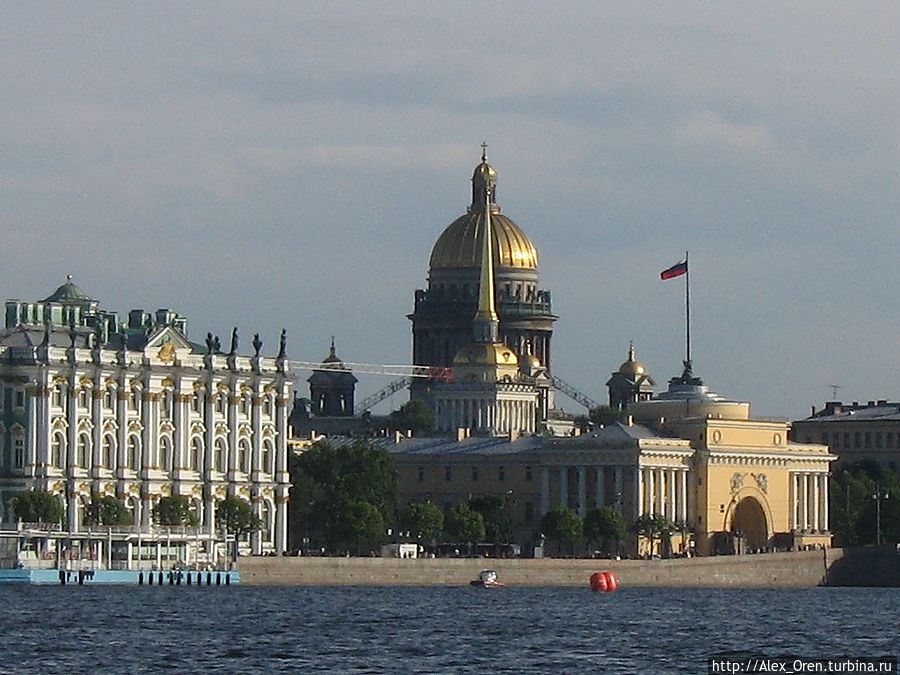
column 415, row 416
column 364, row 525
column 329, row 483
column 237, row 517
column 464, row 524
column 38, row 507
column 423, row 519
column 655, row 528
column 107, row 510
column 854, row 508
column 174, row 511
column 495, row 509
column 562, row 526
column 605, row 525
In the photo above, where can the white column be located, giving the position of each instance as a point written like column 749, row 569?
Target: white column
column 638, row 492
column 823, row 523
column 545, row 490
column 660, row 492
column 600, row 488
column 805, row 502
column 564, row 487
column 670, row 482
column 816, row 501
column 683, row 496
column 582, row 491
column 651, row 492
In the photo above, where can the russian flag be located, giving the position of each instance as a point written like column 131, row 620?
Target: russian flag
column 675, row 270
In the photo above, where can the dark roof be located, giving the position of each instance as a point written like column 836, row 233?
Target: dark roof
column 69, row 293
column 450, row 447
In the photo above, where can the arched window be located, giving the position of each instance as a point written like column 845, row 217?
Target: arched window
column 134, row 452
column 59, row 395
column 165, row 452
column 83, row 455
column 165, row 404
column 244, row 455
column 196, row 459
column 221, row 454
column 267, row 405
column 109, row 451
column 221, row 403
column 109, row 398
column 58, row 450
column 245, row 404
column 267, row 452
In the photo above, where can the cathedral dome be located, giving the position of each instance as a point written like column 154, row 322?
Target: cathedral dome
column 632, row 368
column 69, row 293
column 459, row 246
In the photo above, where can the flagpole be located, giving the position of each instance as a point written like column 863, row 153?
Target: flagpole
column 687, row 309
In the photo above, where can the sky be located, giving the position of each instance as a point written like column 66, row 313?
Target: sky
column 290, row 165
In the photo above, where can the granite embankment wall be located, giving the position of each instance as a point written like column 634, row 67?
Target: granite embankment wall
column 771, row 570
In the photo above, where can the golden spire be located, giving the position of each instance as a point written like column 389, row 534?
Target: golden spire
column 486, row 317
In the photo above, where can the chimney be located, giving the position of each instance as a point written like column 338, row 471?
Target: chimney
column 461, row 434
column 398, row 437
column 629, row 421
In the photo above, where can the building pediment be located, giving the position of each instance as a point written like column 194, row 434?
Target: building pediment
column 165, row 342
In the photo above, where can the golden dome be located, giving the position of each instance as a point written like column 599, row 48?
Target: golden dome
column 631, row 367
column 485, row 354
column 460, row 244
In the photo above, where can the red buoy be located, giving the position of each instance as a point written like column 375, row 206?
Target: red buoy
column 604, row 582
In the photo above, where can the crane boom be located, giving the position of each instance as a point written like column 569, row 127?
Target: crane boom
column 573, row 393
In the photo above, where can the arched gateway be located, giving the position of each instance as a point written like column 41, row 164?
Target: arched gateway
column 749, row 525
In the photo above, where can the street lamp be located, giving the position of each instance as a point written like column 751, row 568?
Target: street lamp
column 878, row 497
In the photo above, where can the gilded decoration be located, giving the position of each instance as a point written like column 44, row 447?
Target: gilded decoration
column 737, row 482
column 166, row 353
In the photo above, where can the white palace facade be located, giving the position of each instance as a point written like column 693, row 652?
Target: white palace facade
column 91, row 407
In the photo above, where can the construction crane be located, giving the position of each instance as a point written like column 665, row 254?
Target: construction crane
column 402, row 370
column 381, row 394
column 573, row 393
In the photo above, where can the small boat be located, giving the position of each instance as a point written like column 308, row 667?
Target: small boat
column 487, row 579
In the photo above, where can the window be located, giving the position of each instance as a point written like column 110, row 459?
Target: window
column 421, row 474
column 501, row 474
column 196, row 459
column 846, row 439
column 165, row 453
column 267, row 405
column 856, row 440
column 109, row 451
column 221, row 455
column 528, row 472
column 166, row 399
column 58, row 450
column 474, row 474
column 20, row 398
column 878, row 439
column 133, row 458
column 448, row 473
column 244, row 455
column 245, row 404
column 58, row 398
column 221, row 403
column 84, row 398
column 83, row 455
column 109, row 397
column 18, row 452
column 197, row 403
column 529, row 512
column 267, row 453
column 868, row 439
column 824, row 438
column 133, row 399
column 889, row 439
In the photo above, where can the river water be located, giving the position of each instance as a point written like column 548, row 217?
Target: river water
column 431, row 630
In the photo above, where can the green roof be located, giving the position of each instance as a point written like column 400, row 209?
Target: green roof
column 69, row 293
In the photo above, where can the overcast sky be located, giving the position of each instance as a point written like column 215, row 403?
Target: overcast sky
column 272, row 165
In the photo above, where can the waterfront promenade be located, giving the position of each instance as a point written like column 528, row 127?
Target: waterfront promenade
column 769, row 570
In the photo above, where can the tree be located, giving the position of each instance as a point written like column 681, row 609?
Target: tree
column 854, row 508
column 237, row 517
column 174, row 511
column 606, row 525
column 603, row 415
column 497, row 518
column 365, row 524
column 664, row 530
column 645, row 526
column 38, row 507
column 107, row 510
column 562, row 526
column 415, row 416
column 424, row 519
column 327, row 482
column 464, row 524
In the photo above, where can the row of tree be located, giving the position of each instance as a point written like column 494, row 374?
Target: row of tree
column 234, row 514
column 858, row 493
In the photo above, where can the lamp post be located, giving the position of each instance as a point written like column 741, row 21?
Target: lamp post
column 878, row 497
